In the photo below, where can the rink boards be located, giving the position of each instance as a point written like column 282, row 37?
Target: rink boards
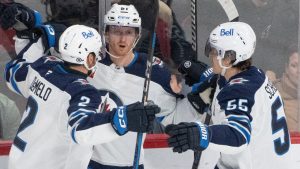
column 156, row 149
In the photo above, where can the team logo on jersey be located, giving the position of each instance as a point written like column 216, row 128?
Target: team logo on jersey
column 157, row 61
column 49, row 72
column 109, row 101
column 52, row 58
column 237, row 81
column 82, row 81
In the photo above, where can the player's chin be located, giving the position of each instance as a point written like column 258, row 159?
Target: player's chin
column 123, row 50
column 121, row 53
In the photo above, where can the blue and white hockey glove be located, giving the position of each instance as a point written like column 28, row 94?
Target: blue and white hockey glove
column 185, row 136
column 134, row 117
column 203, row 92
column 28, row 24
column 19, row 17
column 192, row 71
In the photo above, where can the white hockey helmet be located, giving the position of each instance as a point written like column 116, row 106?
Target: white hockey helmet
column 77, row 42
column 238, row 37
column 123, row 15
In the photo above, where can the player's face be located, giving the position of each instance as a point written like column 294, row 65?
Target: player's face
column 121, row 40
column 213, row 55
column 292, row 69
column 175, row 84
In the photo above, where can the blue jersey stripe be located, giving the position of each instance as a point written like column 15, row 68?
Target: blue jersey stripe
column 12, row 79
column 242, row 130
column 77, row 117
column 243, row 120
column 73, row 135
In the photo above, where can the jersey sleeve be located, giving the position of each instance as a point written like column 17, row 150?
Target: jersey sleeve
column 234, row 133
column 17, row 69
column 86, row 125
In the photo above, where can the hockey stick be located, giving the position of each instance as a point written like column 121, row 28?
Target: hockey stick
column 233, row 15
column 197, row 154
column 152, row 36
column 230, row 10
column 194, row 25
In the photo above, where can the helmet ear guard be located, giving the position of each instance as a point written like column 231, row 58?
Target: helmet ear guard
column 207, row 48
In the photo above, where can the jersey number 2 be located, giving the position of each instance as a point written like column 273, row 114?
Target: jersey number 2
column 31, row 109
column 280, row 124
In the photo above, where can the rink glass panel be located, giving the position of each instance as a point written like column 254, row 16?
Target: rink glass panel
column 276, row 23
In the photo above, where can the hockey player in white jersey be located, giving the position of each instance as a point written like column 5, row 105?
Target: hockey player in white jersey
column 62, row 119
column 120, row 78
column 250, row 129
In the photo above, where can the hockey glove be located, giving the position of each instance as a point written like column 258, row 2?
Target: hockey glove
column 134, row 117
column 192, row 71
column 185, row 136
column 3, row 6
column 19, row 17
column 202, row 93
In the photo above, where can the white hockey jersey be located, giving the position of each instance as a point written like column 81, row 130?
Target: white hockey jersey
column 250, row 129
column 124, row 85
column 61, row 122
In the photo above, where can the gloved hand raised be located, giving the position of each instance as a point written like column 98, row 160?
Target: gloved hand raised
column 19, row 17
column 192, row 71
column 4, row 5
column 134, row 117
column 202, row 93
column 185, row 136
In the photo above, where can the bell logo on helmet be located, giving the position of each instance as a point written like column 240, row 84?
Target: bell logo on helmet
column 224, row 32
column 87, row 35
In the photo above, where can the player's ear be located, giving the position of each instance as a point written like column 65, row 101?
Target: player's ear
column 176, row 86
column 227, row 61
column 91, row 60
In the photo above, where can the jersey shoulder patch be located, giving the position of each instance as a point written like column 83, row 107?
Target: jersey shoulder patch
column 157, row 61
column 52, row 58
column 238, row 81
column 81, row 82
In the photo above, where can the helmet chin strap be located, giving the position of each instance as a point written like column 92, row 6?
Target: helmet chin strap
column 224, row 68
column 114, row 56
column 133, row 46
column 91, row 70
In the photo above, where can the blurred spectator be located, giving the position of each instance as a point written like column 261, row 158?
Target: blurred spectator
column 271, row 75
column 70, row 12
column 260, row 3
column 288, row 88
column 9, row 118
column 7, row 41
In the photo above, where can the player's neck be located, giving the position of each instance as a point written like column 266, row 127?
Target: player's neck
column 124, row 60
column 231, row 72
column 80, row 69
